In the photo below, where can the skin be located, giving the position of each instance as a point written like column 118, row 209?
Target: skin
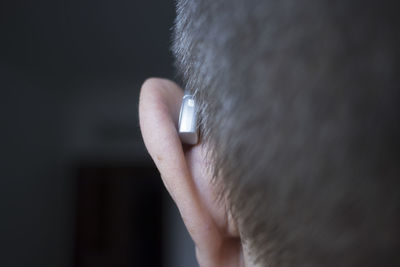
column 184, row 173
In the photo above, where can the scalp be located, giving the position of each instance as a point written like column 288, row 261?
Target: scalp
column 298, row 103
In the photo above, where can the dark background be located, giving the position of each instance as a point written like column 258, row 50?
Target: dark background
column 77, row 187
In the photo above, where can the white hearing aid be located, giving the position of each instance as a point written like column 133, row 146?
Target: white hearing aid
column 187, row 126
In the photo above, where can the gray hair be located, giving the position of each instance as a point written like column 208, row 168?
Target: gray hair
column 299, row 108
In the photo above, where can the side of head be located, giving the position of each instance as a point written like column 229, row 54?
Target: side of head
column 299, row 122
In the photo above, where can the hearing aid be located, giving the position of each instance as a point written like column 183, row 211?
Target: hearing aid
column 187, row 126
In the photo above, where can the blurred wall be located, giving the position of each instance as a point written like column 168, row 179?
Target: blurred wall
column 70, row 74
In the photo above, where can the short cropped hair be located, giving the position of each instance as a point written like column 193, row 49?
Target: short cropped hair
column 299, row 108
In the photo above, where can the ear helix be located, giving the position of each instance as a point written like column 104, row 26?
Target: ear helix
column 187, row 127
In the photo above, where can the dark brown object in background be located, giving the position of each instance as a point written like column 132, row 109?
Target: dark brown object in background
column 119, row 215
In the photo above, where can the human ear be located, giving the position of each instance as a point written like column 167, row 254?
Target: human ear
column 184, row 173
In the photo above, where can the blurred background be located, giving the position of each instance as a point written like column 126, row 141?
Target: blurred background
column 77, row 187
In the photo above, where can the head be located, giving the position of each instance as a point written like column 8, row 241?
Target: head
column 298, row 162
